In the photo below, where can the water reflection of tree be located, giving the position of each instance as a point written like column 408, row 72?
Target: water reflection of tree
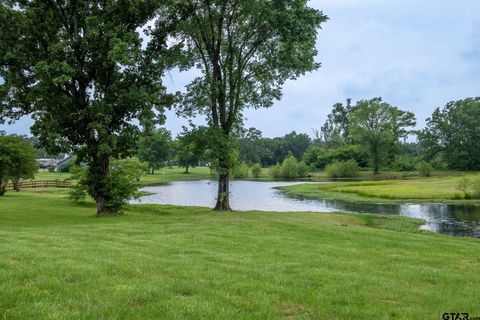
column 455, row 220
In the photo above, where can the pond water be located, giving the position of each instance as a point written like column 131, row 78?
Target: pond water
column 255, row 195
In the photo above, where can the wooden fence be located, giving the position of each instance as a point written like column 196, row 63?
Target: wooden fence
column 43, row 184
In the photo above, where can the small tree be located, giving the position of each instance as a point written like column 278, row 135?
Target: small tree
column 256, row 170
column 424, row 168
column 17, row 161
column 342, row 169
column 155, row 148
column 276, row 171
column 290, row 167
column 122, row 186
column 190, row 147
column 241, row 171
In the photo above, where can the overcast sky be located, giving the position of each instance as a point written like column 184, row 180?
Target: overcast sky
column 417, row 55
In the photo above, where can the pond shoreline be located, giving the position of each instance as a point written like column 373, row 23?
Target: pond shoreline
column 269, row 196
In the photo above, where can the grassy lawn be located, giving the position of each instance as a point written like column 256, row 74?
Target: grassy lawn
column 165, row 262
column 435, row 189
column 160, row 176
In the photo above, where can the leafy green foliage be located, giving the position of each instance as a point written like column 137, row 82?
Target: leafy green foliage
column 453, row 133
column 276, row 171
column 320, row 157
column 190, row 147
column 336, row 132
column 424, row 168
column 256, row 170
column 438, row 162
column 404, row 163
column 379, row 127
column 289, row 169
column 245, row 50
column 79, row 67
column 241, row 171
column 342, row 169
column 17, row 160
column 155, row 148
column 122, row 184
column 253, row 148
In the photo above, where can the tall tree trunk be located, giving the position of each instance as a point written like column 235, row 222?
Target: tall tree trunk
column 186, row 169
column 153, row 170
column 100, row 196
column 223, row 196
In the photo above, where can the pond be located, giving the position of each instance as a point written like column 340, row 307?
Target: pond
column 256, row 195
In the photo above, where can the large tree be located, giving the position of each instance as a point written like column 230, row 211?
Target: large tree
column 379, row 127
column 246, row 50
column 453, row 131
column 79, row 67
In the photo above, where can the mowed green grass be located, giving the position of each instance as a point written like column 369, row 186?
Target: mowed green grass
column 434, row 189
column 161, row 175
column 163, row 262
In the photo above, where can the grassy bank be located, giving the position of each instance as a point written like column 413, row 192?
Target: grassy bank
column 441, row 189
column 165, row 262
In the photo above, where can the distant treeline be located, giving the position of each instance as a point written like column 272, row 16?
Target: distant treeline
column 372, row 133
column 378, row 135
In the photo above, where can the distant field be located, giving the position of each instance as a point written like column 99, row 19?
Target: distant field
column 163, row 262
column 160, row 176
column 436, row 189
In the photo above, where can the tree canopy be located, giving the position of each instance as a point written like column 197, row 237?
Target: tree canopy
column 17, row 160
column 79, row 68
column 453, row 132
column 246, row 50
column 155, row 148
column 379, row 126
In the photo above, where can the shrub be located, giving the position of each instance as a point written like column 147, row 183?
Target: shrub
column 476, row 188
column 462, row 185
column 276, row 171
column 123, row 183
column 342, row 169
column 67, row 168
column 319, row 158
column 302, row 170
column 438, row 163
column 256, row 170
column 424, row 168
column 51, row 169
column 290, row 168
column 404, row 163
column 241, row 171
